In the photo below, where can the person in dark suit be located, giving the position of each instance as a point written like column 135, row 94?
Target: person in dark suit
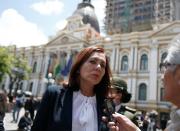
column 30, row 106
column 79, row 106
column 25, row 122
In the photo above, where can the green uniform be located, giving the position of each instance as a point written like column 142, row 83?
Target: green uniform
column 132, row 114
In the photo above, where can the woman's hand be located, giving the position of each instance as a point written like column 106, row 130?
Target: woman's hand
column 122, row 123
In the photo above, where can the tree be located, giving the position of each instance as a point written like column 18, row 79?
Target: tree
column 19, row 72
column 6, row 62
column 15, row 66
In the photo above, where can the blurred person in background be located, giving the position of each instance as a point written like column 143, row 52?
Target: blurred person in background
column 19, row 103
column 30, row 106
column 3, row 108
column 25, row 122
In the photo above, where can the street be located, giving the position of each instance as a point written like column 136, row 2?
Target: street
column 8, row 124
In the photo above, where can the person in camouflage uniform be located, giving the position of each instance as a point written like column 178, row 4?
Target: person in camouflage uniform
column 118, row 92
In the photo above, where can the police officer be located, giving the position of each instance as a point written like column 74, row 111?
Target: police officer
column 118, row 92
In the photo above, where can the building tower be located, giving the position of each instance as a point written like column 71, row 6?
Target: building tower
column 166, row 11
column 123, row 16
column 86, row 10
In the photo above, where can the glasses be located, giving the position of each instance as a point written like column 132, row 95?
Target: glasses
column 167, row 66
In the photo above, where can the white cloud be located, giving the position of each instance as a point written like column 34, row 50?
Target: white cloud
column 99, row 6
column 60, row 25
column 15, row 29
column 48, row 7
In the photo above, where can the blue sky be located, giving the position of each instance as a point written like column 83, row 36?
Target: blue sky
column 31, row 22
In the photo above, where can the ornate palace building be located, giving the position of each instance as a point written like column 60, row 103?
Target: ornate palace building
column 134, row 57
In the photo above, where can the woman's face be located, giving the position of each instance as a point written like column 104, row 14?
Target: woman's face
column 171, row 80
column 92, row 71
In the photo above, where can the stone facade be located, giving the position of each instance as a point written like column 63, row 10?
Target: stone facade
column 134, row 57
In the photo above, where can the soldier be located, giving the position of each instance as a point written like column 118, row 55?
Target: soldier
column 118, row 92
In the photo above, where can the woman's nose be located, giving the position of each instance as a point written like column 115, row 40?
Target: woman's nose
column 98, row 66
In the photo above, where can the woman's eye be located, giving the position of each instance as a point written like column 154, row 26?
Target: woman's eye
column 92, row 61
column 103, row 65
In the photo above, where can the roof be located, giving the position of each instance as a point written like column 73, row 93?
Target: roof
column 86, row 10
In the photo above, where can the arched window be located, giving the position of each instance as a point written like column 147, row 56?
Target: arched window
column 124, row 63
column 21, row 86
column 34, row 67
column 31, row 86
column 144, row 62
column 163, row 57
column 162, row 94
column 142, row 92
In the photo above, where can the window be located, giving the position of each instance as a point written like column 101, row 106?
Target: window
column 142, row 92
column 21, row 86
column 162, row 94
column 124, row 63
column 31, row 86
column 144, row 62
column 34, row 67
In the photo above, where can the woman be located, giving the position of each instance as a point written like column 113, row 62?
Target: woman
column 171, row 80
column 79, row 106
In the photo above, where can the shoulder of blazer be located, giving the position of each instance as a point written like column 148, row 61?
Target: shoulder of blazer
column 53, row 89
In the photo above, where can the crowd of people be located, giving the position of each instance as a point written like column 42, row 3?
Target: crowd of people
column 93, row 100
column 19, row 101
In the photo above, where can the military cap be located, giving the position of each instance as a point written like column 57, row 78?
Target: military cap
column 121, row 86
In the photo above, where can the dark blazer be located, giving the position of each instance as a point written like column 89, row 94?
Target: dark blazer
column 55, row 114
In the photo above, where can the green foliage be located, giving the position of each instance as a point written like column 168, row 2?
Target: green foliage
column 21, row 69
column 6, row 62
column 16, row 66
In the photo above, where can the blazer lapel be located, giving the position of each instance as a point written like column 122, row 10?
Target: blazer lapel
column 99, row 112
column 67, row 111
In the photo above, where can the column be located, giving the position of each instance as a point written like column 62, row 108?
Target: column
column 135, row 68
column 39, row 61
column 131, row 58
column 43, row 81
column 113, row 59
column 117, row 59
column 152, row 90
column 46, row 62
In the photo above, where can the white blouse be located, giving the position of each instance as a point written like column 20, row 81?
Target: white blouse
column 84, row 117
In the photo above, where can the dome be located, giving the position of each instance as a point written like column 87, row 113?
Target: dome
column 86, row 10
